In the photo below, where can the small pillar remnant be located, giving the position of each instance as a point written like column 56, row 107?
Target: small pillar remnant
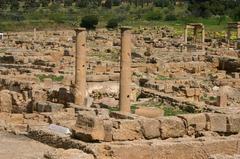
column 203, row 38
column 222, row 98
column 125, row 66
column 195, row 27
column 233, row 27
column 34, row 34
column 1, row 36
column 80, row 66
column 186, row 35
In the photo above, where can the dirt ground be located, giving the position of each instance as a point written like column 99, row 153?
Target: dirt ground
column 21, row 147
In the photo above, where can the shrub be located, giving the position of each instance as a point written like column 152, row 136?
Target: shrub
column 162, row 3
column 170, row 17
column 153, row 15
column 44, row 3
column 89, row 22
column 113, row 23
column 81, row 3
column 68, row 3
column 116, row 2
column 108, row 4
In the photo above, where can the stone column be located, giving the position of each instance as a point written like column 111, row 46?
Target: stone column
column 195, row 34
column 34, row 34
column 222, row 98
column 238, row 36
column 125, row 66
column 238, row 32
column 185, row 34
column 228, row 36
column 80, row 67
column 203, row 38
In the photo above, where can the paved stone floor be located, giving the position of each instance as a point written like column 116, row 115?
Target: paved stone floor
column 21, row 147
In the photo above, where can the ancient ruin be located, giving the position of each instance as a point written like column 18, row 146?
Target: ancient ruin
column 80, row 67
column 233, row 27
column 132, row 93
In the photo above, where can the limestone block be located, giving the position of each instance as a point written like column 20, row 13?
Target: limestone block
column 48, row 107
column 234, row 123
column 171, row 127
column 89, row 128
column 68, row 154
column 126, row 130
column 5, row 101
column 217, row 122
column 100, row 69
column 97, row 78
column 190, row 92
column 149, row 112
column 108, row 125
column 197, row 121
column 150, row 128
column 121, row 115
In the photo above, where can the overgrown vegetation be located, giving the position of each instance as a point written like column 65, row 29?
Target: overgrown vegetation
column 28, row 14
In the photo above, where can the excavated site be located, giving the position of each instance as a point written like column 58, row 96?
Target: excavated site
column 132, row 93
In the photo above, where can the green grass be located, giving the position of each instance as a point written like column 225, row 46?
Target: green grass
column 112, row 56
column 163, row 78
column 53, row 77
column 168, row 109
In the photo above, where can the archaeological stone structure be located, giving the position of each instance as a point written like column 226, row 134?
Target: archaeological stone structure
column 234, row 27
column 125, row 66
column 80, row 67
column 196, row 27
column 129, row 93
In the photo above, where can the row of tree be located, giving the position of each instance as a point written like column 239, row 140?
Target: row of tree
column 33, row 4
column 199, row 8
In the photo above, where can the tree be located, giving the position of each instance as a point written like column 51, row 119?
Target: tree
column 87, row 3
column 163, row 3
column 89, row 22
column 14, row 5
column 44, row 3
column 113, row 23
column 3, row 4
column 108, row 4
column 31, row 4
column 68, row 2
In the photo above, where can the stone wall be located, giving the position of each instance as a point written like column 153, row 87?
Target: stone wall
column 121, row 127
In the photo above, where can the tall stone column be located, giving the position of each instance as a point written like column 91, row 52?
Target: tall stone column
column 125, row 66
column 80, row 67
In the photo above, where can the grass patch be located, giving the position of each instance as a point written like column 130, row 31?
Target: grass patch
column 53, row 77
column 208, row 98
column 172, row 111
column 103, row 56
column 163, row 78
